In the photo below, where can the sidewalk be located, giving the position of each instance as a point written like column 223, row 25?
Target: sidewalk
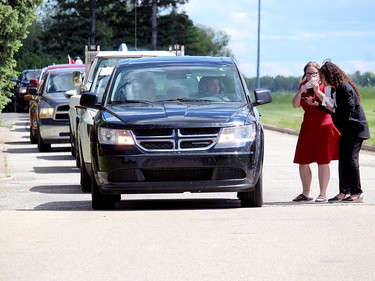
column 3, row 162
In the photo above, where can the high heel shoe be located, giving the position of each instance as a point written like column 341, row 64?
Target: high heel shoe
column 358, row 198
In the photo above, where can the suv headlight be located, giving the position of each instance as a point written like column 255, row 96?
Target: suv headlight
column 236, row 136
column 115, row 136
column 23, row 90
column 46, row 112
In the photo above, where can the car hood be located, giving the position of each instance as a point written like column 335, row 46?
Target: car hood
column 55, row 98
column 178, row 114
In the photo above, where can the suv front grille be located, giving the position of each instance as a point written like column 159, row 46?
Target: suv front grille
column 176, row 174
column 176, row 139
column 62, row 112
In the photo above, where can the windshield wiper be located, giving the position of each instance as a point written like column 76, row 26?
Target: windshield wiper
column 184, row 100
column 131, row 101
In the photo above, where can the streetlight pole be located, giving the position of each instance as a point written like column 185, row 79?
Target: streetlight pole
column 258, row 54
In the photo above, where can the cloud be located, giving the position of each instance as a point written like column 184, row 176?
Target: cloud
column 293, row 33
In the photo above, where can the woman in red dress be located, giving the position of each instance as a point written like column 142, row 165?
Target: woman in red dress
column 318, row 140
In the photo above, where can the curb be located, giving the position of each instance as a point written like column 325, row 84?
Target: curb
column 3, row 166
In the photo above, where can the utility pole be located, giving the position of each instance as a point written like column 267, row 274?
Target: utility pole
column 258, row 55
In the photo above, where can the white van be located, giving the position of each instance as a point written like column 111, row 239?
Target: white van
column 101, row 60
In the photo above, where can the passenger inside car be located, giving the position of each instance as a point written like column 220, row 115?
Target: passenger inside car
column 144, row 88
column 209, row 85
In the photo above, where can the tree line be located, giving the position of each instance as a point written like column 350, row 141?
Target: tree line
column 65, row 27
column 290, row 84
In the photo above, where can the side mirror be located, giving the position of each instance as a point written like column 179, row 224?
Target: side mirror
column 77, row 78
column 89, row 99
column 262, row 96
column 14, row 79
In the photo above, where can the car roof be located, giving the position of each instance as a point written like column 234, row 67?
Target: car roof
column 179, row 60
column 62, row 66
column 64, row 70
column 59, row 66
column 32, row 70
column 134, row 54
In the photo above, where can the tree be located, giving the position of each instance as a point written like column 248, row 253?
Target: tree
column 164, row 4
column 209, row 42
column 15, row 17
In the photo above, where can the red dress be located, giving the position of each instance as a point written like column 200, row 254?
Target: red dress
column 318, row 139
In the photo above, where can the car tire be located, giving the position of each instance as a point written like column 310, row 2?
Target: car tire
column 33, row 137
column 42, row 146
column 77, row 153
column 100, row 201
column 85, row 176
column 253, row 198
column 18, row 105
column 72, row 143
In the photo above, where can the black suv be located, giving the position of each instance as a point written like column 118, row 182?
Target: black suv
column 176, row 124
column 20, row 104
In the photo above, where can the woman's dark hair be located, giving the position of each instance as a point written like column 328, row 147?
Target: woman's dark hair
column 335, row 76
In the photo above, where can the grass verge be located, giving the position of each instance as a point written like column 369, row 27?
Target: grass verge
column 280, row 112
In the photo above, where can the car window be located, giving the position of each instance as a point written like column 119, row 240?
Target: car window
column 26, row 76
column 59, row 82
column 171, row 82
column 101, row 85
column 102, row 62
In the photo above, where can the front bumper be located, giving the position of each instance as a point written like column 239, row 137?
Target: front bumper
column 53, row 132
column 173, row 173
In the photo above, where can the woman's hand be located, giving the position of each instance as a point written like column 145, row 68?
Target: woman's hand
column 302, row 89
column 315, row 85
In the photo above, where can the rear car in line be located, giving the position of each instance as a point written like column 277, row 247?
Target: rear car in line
column 53, row 105
column 20, row 103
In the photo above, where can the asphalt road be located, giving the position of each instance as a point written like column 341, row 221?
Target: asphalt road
column 48, row 230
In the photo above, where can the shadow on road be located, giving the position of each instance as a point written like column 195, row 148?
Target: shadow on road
column 56, row 170
column 25, row 150
column 55, row 157
column 57, row 189
column 17, row 142
column 145, row 204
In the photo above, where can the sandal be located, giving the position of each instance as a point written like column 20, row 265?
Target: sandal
column 321, row 198
column 302, row 197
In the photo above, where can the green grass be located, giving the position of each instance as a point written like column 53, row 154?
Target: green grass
column 280, row 112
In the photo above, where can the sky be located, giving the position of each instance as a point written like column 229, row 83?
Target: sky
column 292, row 33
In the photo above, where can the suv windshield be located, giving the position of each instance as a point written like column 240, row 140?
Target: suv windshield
column 60, row 82
column 30, row 74
column 164, row 83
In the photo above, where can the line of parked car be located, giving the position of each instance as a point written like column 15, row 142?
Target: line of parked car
column 147, row 122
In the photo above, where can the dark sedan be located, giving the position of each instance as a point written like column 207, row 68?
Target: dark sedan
column 179, row 124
